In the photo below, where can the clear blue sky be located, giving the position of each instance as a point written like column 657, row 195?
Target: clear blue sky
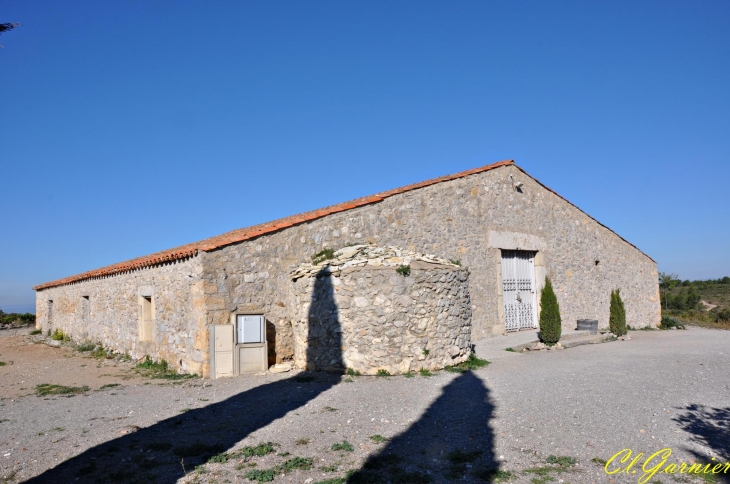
column 133, row 126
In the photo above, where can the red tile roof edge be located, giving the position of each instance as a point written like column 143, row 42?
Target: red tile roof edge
column 247, row 233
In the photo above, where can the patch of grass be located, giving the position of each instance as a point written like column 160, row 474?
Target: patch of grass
column 303, row 441
column 352, row 372
column 108, row 385
column 85, row 347
column 45, row 389
column 510, row 349
column 323, row 255
column 196, row 449
column 218, row 458
column 404, row 271
column 561, row 460
column 36, row 331
column 378, row 439
column 160, row 369
column 599, row 461
column 332, row 468
column 425, row 372
column 283, row 454
column 343, row 446
column 409, row 374
column 493, row 475
column 334, row 480
column 472, row 363
column 260, row 475
column 456, row 262
column 259, row 450
column 303, row 463
column 382, row 372
column 304, row 379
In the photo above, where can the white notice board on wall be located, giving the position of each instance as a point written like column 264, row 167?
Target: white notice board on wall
column 250, row 329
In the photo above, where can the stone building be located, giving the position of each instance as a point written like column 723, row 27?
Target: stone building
column 507, row 228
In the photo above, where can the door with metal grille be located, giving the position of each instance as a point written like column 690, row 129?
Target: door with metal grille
column 518, row 289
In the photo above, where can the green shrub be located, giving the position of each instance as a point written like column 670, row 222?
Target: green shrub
column 617, row 314
column 724, row 314
column 58, row 335
column 471, row 364
column 550, row 328
column 382, row 372
column 669, row 322
column 404, row 271
column 352, row 372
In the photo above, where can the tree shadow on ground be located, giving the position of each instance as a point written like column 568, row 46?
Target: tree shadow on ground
column 709, row 427
column 166, row 451
column 451, row 441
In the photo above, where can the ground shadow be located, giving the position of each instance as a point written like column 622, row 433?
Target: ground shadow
column 166, row 451
column 451, row 441
column 709, row 427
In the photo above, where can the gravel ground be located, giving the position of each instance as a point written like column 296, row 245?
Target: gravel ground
column 660, row 389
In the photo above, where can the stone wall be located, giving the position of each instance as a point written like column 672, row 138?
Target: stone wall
column 469, row 219
column 373, row 318
column 180, row 334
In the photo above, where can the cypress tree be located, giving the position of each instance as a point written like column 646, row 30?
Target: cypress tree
column 617, row 316
column 550, row 328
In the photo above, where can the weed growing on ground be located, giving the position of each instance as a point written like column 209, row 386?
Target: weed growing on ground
column 218, row 458
column 45, row 389
column 303, row 441
column 348, row 380
column 456, row 262
column 86, row 347
column 562, row 460
column 259, row 450
column 409, row 374
column 426, row 352
column 160, row 369
column 378, row 439
column 2, row 363
column 330, row 409
column 599, row 461
column 283, row 454
column 260, row 475
column 58, row 335
column 343, row 446
column 473, row 363
column 510, row 349
column 382, row 372
column 425, row 372
column 267, row 475
column 108, row 385
column 332, row 468
column 352, row 372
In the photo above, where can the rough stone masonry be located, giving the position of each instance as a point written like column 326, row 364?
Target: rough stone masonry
column 470, row 216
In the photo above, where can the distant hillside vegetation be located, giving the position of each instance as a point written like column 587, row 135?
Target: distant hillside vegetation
column 15, row 320
column 685, row 300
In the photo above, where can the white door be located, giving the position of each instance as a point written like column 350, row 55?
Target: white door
column 518, row 289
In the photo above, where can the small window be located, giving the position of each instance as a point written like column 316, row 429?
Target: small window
column 250, row 329
column 146, row 319
column 85, row 308
column 50, row 312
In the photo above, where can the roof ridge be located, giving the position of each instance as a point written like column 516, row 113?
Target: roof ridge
column 246, row 233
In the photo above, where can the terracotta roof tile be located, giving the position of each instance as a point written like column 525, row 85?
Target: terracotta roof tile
column 240, row 235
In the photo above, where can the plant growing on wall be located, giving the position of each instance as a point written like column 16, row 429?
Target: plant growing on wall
column 617, row 315
column 550, row 328
column 404, row 271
